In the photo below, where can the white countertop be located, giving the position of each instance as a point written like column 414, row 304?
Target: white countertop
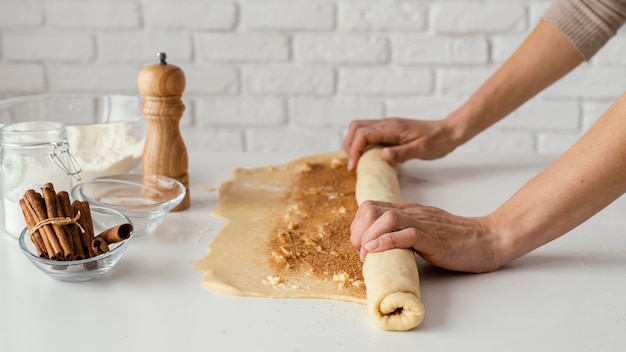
column 569, row 295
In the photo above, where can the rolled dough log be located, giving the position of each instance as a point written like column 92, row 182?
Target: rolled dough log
column 391, row 277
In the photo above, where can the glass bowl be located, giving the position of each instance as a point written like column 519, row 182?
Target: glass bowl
column 84, row 269
column 106, row 133
column 145, row 199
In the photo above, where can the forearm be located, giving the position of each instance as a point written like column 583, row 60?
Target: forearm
column 544, row 57
column 583, row 181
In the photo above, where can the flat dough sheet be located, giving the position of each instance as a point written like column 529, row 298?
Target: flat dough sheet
column 251, row 203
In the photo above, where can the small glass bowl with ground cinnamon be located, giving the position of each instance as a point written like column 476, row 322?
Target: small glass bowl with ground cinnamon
column 145, row 198
column 82, row 269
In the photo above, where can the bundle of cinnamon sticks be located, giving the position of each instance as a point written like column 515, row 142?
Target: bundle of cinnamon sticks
column 63, row 230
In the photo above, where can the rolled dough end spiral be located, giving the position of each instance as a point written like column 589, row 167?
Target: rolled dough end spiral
column 398, row 311
column 393, row 301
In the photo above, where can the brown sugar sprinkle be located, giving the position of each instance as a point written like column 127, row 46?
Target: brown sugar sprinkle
column 314, row 234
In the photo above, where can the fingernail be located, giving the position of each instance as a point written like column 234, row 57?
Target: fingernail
column 389, row 154
column 362, row 254
column 372, row 245
column 350, row 164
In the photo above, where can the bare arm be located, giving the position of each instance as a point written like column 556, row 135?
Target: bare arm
column 583, row 181
column 543, row 58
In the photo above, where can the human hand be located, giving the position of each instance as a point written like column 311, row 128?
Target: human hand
column 403, row 139
column 468, row 244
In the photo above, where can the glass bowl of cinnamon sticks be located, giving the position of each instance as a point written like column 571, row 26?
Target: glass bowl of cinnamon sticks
column 88, row 245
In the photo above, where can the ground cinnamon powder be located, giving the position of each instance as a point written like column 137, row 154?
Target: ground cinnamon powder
column 313, row 236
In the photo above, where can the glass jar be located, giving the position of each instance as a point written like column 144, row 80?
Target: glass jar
column 32, row 154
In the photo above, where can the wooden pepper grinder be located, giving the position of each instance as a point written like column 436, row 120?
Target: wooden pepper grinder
column 164, row 153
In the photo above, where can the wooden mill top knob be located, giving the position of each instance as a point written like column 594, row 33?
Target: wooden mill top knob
column 161, row 79
column 164, row 152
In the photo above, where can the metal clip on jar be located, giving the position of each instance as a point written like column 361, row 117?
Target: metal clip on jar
column 32, row 154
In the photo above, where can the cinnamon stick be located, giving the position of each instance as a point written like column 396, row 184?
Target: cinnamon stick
column 87, row 235
column 116, row 234
column 89, row 221
column 48, row 249
column 87, row 209
column 51, row 199
column 99, row 246
column 39, row 245
column 72, row 230
column 38, row 207
column 35, row 236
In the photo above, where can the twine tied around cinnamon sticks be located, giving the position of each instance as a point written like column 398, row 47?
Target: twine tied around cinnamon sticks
column 63, row 230
column 58, row 221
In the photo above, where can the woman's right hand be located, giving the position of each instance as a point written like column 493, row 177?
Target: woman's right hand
column 467, row 244
column 403, row 139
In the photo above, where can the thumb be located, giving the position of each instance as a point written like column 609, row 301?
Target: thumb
column 396, row 154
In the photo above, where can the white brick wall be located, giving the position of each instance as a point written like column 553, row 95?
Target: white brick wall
column 291, row 74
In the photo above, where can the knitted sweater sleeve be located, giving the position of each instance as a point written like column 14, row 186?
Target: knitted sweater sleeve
column 587, row 24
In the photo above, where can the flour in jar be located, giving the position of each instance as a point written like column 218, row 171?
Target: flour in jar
column 105, row 149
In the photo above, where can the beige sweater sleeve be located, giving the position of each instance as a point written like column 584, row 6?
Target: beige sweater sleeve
column 587, row 24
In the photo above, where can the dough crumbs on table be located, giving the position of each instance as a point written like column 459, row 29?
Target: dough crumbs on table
column 313, row 236
column 273, row 280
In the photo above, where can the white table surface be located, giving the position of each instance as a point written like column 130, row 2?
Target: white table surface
column 569, row 295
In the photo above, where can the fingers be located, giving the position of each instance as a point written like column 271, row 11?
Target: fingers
column 387, row 222
column 399, row 134
column 379, row 226
column 355, row 148
column 404, row 139
column 375, row 219
column 400, row 153
column 367, row 213
column 405, row 238
column 360, row 134
column 387, row 232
